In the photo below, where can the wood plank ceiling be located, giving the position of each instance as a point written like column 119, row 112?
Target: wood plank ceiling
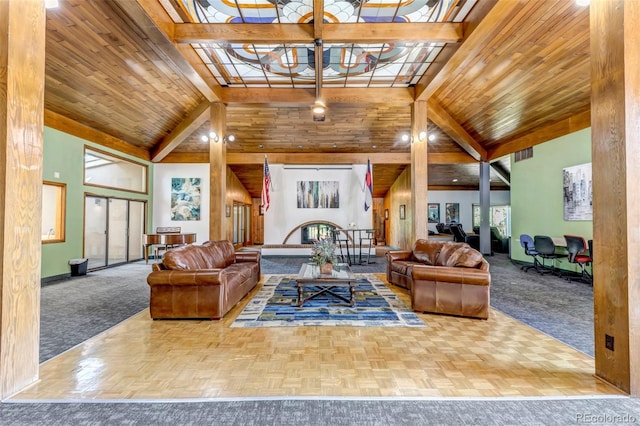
column 515, row 73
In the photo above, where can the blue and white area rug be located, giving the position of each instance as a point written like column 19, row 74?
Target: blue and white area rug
column 376, row 306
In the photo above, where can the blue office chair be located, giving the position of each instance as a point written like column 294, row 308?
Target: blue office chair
column 527, row 244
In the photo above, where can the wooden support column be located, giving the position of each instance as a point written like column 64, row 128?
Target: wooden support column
column 22, row 52
column 615, row 140
column 419, row 176
column 218, row 173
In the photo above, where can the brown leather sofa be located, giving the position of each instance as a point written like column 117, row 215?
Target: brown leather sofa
column 201, row 281
column 444, row 277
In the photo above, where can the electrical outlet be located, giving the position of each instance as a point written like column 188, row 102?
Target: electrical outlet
column 608, row 342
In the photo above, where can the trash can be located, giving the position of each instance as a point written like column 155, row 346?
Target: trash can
column 78, row 267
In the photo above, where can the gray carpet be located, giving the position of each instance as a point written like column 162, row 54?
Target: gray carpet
column 74, row 310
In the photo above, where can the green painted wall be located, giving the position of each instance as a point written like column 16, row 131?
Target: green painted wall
column 536, row 191
column 63, row 153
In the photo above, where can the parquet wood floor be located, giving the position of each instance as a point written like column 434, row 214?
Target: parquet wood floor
column 452, row 357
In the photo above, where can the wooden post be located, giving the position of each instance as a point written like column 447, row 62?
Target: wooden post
column 615, row 128
column 419, row 169
column 218, row 174
column 22, row 53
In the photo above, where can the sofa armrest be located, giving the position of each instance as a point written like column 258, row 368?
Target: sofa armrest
column 394, row 255
column 458, row 275
column 187, row 277
column 247, row 256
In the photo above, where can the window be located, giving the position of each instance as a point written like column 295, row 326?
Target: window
column 499, row 216
column 109, row 171
column 54, row 197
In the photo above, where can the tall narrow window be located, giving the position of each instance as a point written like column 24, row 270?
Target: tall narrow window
column 53, row 211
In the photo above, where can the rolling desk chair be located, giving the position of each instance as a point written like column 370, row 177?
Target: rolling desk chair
column 546, row 249
column 577, row 248
column 527, row 244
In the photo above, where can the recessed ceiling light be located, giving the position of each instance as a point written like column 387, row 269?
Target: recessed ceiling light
column 404, row 137
column 583, row 2
column 204, row 138
column 261, row 146
column 300, row 146
column 455, row 180
column 50, row 4
column 432, row 137
column 335, row 146
column 374, row 146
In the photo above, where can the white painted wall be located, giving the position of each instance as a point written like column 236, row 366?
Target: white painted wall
column 162, row 198
column 466, row 200
column 284, row 214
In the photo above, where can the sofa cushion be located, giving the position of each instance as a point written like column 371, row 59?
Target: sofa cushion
column 222, row 253
column 465, row 257
column 426, row 252
column 446, row 250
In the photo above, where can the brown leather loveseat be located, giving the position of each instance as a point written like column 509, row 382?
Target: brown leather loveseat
column 444, row 277
column 201, row 281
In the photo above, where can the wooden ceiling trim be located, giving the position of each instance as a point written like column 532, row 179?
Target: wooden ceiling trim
column 482, row 34
column 318, row 158
column 436, row 32
column 544, row 134
column 330, row 95
column 185, row 129
column 330, row 33
column 66, row 125
column 243, row 33
column 156, row 23
column 448, row 125
column 186, row 157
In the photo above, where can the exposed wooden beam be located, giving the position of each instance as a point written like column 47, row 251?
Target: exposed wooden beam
column 318, row 19
column 447, row 124
column 243, row 33
column 296, row 97
column 477, row 37
column 544, row 134
column 241, row 158
column 190, row 124
column 437, row 32
column 156, row 24
column 502, row 174
column 64, row 124
column 306, row 33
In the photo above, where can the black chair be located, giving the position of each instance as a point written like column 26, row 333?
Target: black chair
column 440, row 228
column 367, row 241
column 546, row 249
column 341, row 239
column 527, row 244
column 460, row 236
column 499, row 244
column 578, row 254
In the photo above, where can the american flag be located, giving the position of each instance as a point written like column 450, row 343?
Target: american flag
column 264, row 203
column 368, row 187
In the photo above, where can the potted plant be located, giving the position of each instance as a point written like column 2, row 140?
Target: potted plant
column 323, row 254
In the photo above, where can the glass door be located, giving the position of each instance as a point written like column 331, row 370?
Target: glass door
column 117, row 231
column 136, row 230
column 95, row 231
column 113, row 231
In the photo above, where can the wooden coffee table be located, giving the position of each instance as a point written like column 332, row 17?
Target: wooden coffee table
column 341, row 276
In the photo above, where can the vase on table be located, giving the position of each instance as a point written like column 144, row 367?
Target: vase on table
column 326, row 268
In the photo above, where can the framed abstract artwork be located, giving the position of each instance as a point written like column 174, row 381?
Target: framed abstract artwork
column 318, row 194
column 185, row 198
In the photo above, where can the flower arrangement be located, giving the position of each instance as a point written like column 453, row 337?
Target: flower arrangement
column 323, row 252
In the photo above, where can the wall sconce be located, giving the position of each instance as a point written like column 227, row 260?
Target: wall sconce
column 422, row 136
column 214, row 136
